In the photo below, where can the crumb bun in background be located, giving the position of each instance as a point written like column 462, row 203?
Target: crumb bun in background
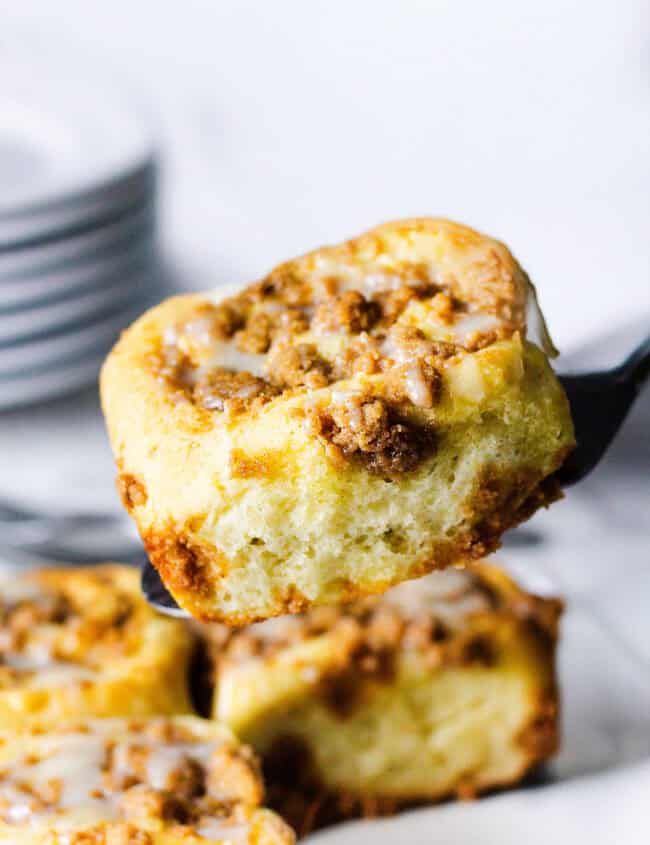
column 158, row 781
column 361, row 416
column 83, row 642
column 443, row 686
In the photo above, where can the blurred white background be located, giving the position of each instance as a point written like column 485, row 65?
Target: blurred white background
column 289, row 124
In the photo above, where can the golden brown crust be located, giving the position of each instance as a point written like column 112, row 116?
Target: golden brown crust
column 505, row 500
column 256, row 465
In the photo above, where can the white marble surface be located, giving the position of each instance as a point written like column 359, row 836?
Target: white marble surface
column 598, row 810
column 288, row 124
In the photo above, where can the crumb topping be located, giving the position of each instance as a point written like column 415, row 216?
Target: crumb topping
column 129, row 770
column 428, row 616
column 316, row 322
column 404, row 332
column 451, row 618
column 370, row 431
column 51, row 634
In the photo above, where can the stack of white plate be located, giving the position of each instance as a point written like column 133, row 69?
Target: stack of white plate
column 77, row 226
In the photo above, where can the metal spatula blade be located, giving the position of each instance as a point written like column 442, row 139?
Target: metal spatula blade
column 157, row 594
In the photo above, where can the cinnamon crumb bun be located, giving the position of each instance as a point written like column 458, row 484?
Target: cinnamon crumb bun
column 444, row 686
column 361, row 416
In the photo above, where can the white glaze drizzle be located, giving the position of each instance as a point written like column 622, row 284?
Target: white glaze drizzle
column 219, row 353
column 537, row 329
column 278, row 629
column 469, row 324
column 164, row 759
column 35, row 662
column 40, row 669
column 58, row 673
column 16, row 590
column 416, row 386
column 225, row 354
column 77, row 761
column 460, row 331
column 450, row 596
column 373, row 283
column 220, row 831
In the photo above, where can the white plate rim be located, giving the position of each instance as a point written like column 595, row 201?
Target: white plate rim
column 18, row 327
column 79, row 218
column 58, row 381
column 33, row 355
column 75, row 280
column 43, row 256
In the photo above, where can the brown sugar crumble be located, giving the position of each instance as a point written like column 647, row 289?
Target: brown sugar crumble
column 369, row 431
column 428, row 618
column 298, row 331
column 217, row 387
column 153, row 770
column 298, row 365
column 350, row 312
column 45, row 626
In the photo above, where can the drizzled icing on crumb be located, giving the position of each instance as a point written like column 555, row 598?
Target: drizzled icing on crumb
column 69, row 772
column 341, row 319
